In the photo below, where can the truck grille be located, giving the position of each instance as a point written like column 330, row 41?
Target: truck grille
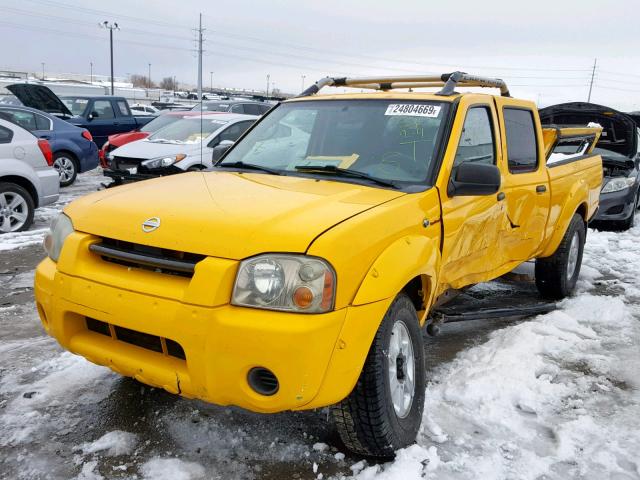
column 156, row 259
column 139, row 339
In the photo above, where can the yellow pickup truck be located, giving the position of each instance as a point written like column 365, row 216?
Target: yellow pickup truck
column 298, row 272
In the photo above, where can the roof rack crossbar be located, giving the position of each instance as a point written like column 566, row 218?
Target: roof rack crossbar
column 448, row 82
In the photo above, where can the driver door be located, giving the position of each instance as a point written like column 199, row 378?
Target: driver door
column 472, row 225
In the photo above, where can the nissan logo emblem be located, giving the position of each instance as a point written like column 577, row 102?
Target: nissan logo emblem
column 150, row 224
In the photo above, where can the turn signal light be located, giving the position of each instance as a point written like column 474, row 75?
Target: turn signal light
column 87, row 135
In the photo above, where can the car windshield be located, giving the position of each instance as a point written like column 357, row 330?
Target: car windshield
column 159, row 122
column 388, row 140
column 212, row 107
column 76, row 105
column 187, row 130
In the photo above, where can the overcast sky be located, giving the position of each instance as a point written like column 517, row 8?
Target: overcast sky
column 544, row 49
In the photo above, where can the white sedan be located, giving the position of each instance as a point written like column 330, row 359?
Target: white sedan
column 185, row 145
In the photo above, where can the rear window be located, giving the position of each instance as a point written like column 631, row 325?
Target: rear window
column 42, row 122
column 76, row 105
column 159, row 122
column 522, row 147
column 124, row 108
column 188, row 130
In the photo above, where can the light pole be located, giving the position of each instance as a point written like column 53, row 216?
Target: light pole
column 175, row 86
column 111, row 27
column 303, row 77
column 149, row 77
column 268, row 77
column 42, row 71
column 211, row 88
column 91, row 72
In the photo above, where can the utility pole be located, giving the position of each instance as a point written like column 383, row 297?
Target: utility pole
column 211, row 87
column 200, row 59
column 593, row 74
column 42, row 71
column 175, row 86
column 111, row 27
column 91, row 72
column 303, row 77
column 149, row 77
column 268, row 77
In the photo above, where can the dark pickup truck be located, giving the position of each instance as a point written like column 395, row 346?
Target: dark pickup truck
column 102, row 116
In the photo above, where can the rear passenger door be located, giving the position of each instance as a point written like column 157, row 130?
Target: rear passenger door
column 472, row 224
column 124, row 118
column 102, row 124
column 525, row 179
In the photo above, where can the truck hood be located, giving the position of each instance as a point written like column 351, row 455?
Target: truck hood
column 40, row 98
column 225, row 214
column 145, row 149
column 119, row 139
column 619, row 129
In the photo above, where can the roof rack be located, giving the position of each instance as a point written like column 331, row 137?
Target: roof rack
column 448, row 82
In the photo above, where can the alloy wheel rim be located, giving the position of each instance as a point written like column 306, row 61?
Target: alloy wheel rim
column 65, row 168
column 13, row 211
column 401, row 369
column 572, row 260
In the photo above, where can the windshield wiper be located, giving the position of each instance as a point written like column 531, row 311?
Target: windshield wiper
column 250, row 166
column 333, row 170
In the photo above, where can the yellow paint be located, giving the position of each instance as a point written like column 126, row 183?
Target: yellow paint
column 377, row 240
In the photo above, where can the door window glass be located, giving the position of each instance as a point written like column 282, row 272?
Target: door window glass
column 26, row 120
column 124, row 108
column 5, row 135
column 104, row 109
column 476, row 143
column 42, row 123
column 238, row 108
column 252, row 109
column 522, row 147
column 234, row 131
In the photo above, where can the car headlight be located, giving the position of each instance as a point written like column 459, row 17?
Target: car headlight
column 618, row 183
column 295, row 283
column 163, row 161
column 60, row 229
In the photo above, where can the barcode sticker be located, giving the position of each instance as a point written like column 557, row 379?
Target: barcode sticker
column 413, row 110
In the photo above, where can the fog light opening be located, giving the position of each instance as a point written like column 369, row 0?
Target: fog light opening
column 43, row 316
column 263, row 381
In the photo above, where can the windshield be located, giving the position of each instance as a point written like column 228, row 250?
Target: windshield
column 76, row 105
column 187, row 130
column 389, row 140
column 159, row 122
column 212, row 107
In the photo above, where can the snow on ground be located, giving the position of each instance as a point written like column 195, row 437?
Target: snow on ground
column 556, row 397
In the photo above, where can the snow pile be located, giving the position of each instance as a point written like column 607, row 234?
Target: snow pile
column 556, row 397
column 171, row 469
column 112, row 443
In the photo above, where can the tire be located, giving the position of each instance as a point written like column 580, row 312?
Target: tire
column 195, row 168
column 67, row 168
column 16, row 208
column 367, row 420
column 556, row 276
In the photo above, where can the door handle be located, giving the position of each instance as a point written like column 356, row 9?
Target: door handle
column 541, row 188
column 501, row 196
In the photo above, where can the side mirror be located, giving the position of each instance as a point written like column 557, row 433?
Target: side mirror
column 470, row 179
column 93, row 115
column 220, row 149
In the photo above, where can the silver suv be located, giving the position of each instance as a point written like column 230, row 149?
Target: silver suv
column 27, row 177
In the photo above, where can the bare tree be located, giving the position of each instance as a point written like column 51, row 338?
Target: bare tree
column 167, row 83
column 141, row 81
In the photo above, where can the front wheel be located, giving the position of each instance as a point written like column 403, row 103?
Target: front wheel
column 556, row 276
column 384, row 411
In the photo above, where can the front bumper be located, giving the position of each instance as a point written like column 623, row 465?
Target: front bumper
column 316, row 358
column 617, row 206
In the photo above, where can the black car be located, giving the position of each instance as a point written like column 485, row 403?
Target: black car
column 618, row 146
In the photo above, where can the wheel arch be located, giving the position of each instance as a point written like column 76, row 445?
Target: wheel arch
column 564, row 220
column 24, row 183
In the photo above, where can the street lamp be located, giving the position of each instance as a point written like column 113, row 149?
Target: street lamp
column 211, row 88
column 149, row 77
column 111, row 27
column 91, row 72
column 42, row 71
column 303, row 77
column 268, row 77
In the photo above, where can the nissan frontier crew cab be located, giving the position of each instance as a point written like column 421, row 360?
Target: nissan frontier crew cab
column 297, row 273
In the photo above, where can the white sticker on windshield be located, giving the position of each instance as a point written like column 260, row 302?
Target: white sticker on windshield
column 413, row 110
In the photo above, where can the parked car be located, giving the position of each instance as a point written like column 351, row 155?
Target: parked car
column 141, row 109
column 235, row 106
column 102, row 116
column 301, row 278
column 27, row 177
column 618, row 145
column 74, row 150
column 184, row 145
column 120, row 139
column 168, row 105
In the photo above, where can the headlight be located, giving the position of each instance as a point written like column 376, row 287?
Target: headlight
column 618, row 183
column 60, row 229
column 295, row 283
column 163, row 161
